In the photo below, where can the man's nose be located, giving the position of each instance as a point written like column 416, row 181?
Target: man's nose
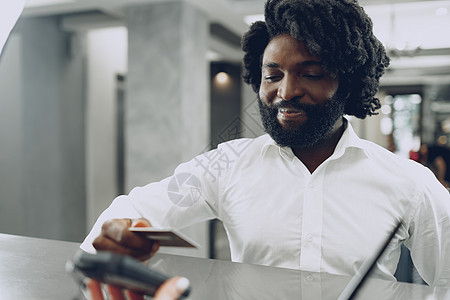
column 290, row 88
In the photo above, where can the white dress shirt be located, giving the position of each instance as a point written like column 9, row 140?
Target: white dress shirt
column 277, row 213
column 9, row 14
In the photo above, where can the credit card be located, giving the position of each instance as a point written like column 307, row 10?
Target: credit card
column 168, row 237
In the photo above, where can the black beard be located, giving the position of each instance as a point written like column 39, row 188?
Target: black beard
column 318, row 126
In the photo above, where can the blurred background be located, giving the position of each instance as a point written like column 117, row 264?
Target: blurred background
column 99, row 96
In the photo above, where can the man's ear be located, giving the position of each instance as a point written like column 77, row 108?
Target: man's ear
column 347, row 87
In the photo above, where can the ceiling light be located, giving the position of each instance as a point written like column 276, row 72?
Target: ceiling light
column 222, row 78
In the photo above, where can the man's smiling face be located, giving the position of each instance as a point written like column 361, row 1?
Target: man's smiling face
column 298, row 99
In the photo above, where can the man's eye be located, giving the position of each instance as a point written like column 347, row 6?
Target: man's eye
column 271, row 78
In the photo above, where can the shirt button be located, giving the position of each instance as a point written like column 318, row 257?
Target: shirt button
column 309, row 277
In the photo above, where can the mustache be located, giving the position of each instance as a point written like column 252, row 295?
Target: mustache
column 307, row 108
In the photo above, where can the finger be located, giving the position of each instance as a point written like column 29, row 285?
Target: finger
column 95, row 289
column 115, row 293
column 172, row 289
column 133, row 295
column 116, row 237
column 141, row 222
column 135, row 240
column 103, row 243
column 117, row 230
column 148, row 246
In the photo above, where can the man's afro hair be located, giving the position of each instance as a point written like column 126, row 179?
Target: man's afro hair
column 338, row 31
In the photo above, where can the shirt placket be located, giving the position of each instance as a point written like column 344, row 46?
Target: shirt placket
column 312, row 219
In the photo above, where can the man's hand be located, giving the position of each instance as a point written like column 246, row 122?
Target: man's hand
column 116, row 237
column 172, row 289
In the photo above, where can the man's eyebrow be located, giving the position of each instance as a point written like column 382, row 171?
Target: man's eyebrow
column 303, row 64
column 270, row 65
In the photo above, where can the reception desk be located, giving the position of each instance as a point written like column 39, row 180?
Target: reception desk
column 34, row 268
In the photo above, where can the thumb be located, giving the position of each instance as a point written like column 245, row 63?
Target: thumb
column 141, row 223
column 172, row 289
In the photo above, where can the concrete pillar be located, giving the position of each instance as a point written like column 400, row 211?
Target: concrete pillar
column 167, row 92
column 43, row 134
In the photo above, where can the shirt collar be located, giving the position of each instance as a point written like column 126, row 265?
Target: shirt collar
column 349, row 139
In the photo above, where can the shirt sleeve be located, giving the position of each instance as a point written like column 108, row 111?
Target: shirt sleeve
column 189, row 196
column 429, row 240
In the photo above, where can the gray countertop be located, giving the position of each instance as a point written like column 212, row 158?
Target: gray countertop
column 32, row 268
